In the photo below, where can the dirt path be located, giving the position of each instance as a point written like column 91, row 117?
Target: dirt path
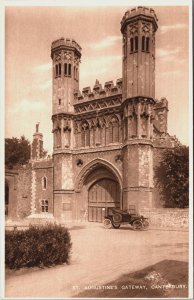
column 99, row 256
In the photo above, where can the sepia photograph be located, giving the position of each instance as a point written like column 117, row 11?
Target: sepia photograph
column 97, row 150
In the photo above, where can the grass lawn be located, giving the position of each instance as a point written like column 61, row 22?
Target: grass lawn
column 166, row 279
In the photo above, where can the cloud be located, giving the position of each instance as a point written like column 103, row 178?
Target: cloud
column 166, row 28
column 47, row 85
column 43, row 67
column 105, row 43
column 28, row 106
column 167, row 55
column 97, row 68
column 103, row 68
column 170, row 74
column 167, row 52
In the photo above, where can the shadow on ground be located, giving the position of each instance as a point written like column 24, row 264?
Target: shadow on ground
column 166, row 279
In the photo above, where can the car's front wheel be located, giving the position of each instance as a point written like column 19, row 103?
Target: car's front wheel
column 107, row 223
column 137, row 225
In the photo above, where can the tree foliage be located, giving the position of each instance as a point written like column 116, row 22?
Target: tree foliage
column 17, row 151
column 172, row 177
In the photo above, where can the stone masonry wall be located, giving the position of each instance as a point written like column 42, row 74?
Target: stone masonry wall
column 42, row 169
column 167, row 218
column 157, row 201
column 24, row 191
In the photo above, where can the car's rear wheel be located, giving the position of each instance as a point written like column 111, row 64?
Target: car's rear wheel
column 116, row 226
column 117, row 218
column 107, row 223
column 137, row 225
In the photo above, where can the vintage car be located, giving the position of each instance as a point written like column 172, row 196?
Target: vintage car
column 114, row 217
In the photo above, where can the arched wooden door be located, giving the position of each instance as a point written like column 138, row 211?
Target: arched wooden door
column 103, row 193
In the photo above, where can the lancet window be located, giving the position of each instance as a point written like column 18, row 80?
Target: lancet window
column 134, row 44
column 44, row 183
column 114, row 130
column 145, row 43
column 85, row 135
column 58, row 70
column 67, row 70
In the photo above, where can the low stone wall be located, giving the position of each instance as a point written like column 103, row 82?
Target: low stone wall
column 167, row 217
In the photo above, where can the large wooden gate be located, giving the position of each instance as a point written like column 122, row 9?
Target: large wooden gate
column 103, row 193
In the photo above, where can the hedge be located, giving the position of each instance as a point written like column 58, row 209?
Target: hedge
column 46, row 245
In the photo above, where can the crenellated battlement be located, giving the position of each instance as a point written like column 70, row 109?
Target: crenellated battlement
column 98, row 91
column 139, row 11
column 65, row 42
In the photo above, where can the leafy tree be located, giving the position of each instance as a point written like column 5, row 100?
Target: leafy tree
column 17, row 151
column 172, row 177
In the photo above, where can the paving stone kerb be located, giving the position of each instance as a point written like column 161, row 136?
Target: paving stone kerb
column 99, row 256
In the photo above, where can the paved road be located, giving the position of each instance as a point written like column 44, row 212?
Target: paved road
column 99, row 256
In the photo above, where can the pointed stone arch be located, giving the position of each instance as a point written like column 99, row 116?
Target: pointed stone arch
column 91, row 166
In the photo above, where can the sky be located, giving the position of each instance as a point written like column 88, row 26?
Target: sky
column 29, row 32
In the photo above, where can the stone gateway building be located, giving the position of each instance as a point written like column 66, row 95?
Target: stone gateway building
column 107, row 139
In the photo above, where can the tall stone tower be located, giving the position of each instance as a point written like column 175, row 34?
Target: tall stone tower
column 138, row 28
column 65, row 54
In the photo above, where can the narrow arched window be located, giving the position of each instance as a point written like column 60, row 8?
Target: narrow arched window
column 143, row 43
column 69, row 70
column 136, row 43
column 131, row 44
column 56, row 70
column 87, row 137
column 110, row 138
column 59, row 101
column 65, row 69
column 74, row 73
column 82, row 138
column 147, row 44
column 115, row 131
column 44, row 183
column 59, row 69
